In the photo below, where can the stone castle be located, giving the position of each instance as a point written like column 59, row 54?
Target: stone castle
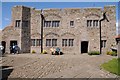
column 73, row 30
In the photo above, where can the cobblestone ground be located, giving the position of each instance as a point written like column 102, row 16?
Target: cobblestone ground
column 56, row 66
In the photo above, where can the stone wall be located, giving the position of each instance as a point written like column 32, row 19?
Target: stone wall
column 79, row 32
column 26, row 30
column 109, row 28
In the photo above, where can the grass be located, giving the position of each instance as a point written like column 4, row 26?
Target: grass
column 113, row 66
column 94, row 53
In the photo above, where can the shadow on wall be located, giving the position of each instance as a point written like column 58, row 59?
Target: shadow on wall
column 5, row 72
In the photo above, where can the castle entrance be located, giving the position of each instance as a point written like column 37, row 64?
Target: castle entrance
column 84, row 46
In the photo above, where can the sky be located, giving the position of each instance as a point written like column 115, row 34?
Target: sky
column 7, row 6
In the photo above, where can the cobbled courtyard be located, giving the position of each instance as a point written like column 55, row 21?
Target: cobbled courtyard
column 56, row 66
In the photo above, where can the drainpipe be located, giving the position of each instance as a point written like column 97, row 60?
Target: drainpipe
column 104, row 18
column 42, row 21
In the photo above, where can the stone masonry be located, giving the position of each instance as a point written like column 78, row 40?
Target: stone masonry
column 79, row 31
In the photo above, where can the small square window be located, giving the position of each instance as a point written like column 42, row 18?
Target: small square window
column 71, row 23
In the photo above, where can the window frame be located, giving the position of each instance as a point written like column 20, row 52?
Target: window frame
column 17, row 23
column 71, row 23
column 54, row 42
column 48, row 42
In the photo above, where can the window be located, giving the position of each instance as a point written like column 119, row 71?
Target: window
column 47, row 23
column 51, row 23
column 89, row 23
column 71, row 23
column 51, row 42
column 36, row 42
column 25, row 23
column 55, row 23
column 95, row 23
column 92, row 23
column 33, row 42
column 64, row 42
column 103, row 43
column 71, row 42
column 54, row 42
column 48, row 42
column 17, row 23
column 67, row 42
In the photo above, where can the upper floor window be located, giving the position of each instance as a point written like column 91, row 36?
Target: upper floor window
column 52, row 23
column 71, row 23
column 47, row 23
column 17, row 23
column 55, row 23
column 95, row 23
column 89, row 23
column 92, row 23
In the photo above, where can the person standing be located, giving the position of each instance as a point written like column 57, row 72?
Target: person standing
column 1, row 49
column 13, row 49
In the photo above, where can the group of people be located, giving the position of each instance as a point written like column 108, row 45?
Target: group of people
column 56, row 51
column 14, row 49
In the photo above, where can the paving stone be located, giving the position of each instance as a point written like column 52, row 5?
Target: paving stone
column 49, row 66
